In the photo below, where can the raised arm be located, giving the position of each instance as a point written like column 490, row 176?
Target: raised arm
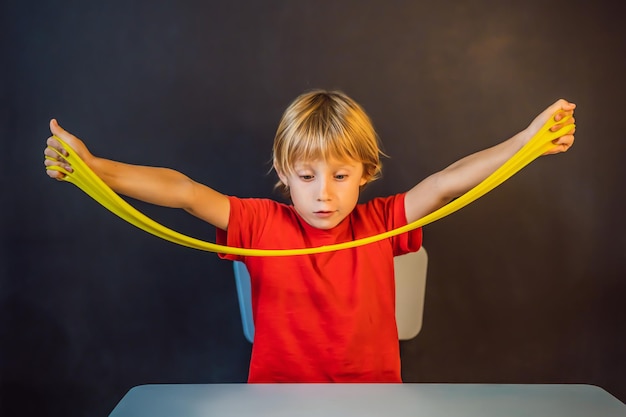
column 442, row 187
column 160, row 186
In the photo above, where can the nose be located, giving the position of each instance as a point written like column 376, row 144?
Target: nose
column 324, row 192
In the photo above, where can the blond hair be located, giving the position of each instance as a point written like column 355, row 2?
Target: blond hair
column 324, row 124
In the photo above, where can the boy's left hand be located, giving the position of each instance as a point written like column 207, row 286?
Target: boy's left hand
column 559, row 110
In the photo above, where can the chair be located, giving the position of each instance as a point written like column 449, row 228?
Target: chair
column 410, row 277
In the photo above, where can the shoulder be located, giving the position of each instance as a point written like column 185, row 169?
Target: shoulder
column 382, row 202
column 388, row 213
column 383, row 207
column 253, row 222
column 258, row 208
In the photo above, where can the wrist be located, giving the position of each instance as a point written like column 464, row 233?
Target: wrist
column 523, row 137
column 95, row 163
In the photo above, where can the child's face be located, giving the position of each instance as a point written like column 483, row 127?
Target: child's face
column 325, row 192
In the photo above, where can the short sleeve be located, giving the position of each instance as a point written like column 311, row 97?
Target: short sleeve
column 383, row 214
column 406, row 242
column 246, row 217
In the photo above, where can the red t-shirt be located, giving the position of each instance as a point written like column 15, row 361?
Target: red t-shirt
column 328, row 317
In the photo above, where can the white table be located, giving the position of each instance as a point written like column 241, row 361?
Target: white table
column 364, row 400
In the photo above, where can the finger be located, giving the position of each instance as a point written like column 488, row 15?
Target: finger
column 50, row 162
column 561, row 108
column 564, row 105
column 55, row 174
column 557, row 149
column 54, row 143
column 54, row 153
column 50, row 152
column 562, row 144
column 569, row 136
column 558, row 126
column 562, row 114
column 567, row 140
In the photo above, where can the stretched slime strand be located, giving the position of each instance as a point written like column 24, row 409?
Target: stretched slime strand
column 85, row 179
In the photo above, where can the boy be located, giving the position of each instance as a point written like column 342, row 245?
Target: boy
column 330, row 316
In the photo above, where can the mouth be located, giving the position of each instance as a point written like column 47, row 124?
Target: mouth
column 323, row 213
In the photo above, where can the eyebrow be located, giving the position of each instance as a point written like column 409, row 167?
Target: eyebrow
column 309, row 165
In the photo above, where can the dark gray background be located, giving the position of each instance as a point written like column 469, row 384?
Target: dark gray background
column 525, row 285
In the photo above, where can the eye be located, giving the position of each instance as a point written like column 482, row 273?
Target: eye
column 306, row 177
column 341, row 177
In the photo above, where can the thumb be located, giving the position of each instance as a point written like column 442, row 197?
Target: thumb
column 63, row 134
column 57, row 130
column 71, row 140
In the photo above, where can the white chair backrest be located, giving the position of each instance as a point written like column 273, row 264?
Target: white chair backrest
column 410, row 274
column 410, row 277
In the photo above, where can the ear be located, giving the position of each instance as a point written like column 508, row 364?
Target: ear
column 363, row 181
column 281, row 176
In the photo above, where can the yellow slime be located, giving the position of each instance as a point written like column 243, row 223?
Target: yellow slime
column 85, row 179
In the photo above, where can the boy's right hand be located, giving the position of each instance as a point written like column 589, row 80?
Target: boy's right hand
column 54, row 159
